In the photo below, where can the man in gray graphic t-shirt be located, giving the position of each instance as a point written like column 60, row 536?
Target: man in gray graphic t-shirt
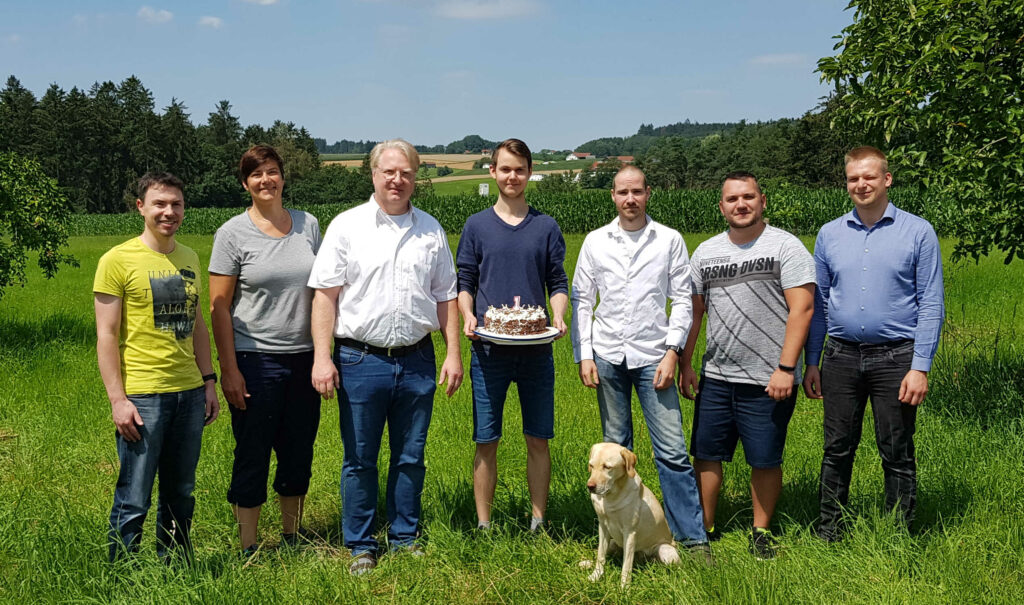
column 756, row 284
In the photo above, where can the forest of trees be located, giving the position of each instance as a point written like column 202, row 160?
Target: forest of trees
column 97, row 142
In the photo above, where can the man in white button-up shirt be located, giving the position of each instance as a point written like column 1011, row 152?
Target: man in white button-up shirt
column 635, row 266
column 384, row 280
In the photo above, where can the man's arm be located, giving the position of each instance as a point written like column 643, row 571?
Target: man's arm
column 800, row 301
column 819, row 321
column 469, row 323
column 325, row 375
column 557, row 282
column 680, row 316
column 451, row 369
column 584, row 296
column 559, row 304
column 204, row 361
column 222, row 291
column 108, row 356
column 687, row 375
column 931, row 312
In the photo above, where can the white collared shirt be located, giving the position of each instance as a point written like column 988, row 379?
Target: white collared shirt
column 630, row 322
column 392, row 274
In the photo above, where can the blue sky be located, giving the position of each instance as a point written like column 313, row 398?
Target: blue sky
column 554, row 73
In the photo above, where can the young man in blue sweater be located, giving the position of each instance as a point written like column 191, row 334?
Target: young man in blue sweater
column 511, row 250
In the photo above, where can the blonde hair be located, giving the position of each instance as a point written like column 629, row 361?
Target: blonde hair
column 400, row 144
column 865, row 152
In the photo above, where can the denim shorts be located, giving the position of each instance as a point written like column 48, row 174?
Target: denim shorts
column 492, row 372
column 725, row 412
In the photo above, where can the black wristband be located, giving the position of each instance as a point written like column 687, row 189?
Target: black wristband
column 212, row 376
column 786, row 368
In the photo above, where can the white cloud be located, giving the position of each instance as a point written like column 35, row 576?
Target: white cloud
column 211, row 22
column 486, row 9
column 262, row 2
column 152, row 15
column 778, row 59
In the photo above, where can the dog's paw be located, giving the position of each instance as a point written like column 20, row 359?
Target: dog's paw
column 596, row 575
column 586, row 564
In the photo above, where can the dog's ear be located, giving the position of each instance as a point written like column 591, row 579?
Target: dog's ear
column 630, row 459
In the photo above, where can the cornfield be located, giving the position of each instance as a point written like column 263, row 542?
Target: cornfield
column 799, row 211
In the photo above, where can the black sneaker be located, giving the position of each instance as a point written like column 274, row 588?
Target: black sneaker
column 762, row 544
column 302, row 537
column 363, row 563
column 714, row 535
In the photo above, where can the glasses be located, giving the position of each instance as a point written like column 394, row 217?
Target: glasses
column 405, row 175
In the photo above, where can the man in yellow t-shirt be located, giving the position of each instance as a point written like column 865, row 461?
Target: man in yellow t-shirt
column 154, row 357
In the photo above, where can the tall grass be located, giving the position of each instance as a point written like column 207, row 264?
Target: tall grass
column 58, row 469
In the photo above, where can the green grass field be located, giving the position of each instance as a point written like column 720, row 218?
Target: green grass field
column 58, row 467
column 338, row 157
column 469, row 186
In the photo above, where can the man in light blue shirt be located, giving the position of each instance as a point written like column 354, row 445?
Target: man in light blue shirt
column 880, row 301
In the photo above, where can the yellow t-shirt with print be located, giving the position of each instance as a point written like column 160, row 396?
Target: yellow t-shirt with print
column 159, row 300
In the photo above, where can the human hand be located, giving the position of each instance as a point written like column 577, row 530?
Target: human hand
column 451, row 371
column 688, row 382
column 780, row 385
column 212, row 403
column 588, row 374
column 812, row 382
column 666, row 370
column 558, row 322
column 914, row 387
column 232, row 383
column 325, row 377
column 126, row 419
column 469, row 326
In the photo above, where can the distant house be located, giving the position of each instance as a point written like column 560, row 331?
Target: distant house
column 428, row 164
column 579, row 155
column 485, row 152
column 536, row 177
column 625, row 159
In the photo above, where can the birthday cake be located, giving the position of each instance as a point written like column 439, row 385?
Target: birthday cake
column 516, row 320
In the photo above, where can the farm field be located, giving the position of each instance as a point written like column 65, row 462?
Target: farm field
column 58, row 467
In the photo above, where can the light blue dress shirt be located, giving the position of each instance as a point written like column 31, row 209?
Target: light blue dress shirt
column 878, row 284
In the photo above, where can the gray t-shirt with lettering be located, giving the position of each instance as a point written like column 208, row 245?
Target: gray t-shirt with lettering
column 272, row 304
column 746, row 307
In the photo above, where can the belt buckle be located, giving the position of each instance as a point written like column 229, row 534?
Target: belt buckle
column 389, row 351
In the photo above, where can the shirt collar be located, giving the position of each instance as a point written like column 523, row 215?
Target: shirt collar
column 888, row 216
column 383, row 218
column 615, row 231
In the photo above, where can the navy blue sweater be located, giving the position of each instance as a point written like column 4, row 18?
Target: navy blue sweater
column 498, row 261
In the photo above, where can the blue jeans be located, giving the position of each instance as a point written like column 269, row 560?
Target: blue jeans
column 377, row 389
column 172, row 432
column 492, row 371
column 665, row 425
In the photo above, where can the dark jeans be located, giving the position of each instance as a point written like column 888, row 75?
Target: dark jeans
column 282, row 413
column 172, row 433
column 851, row 373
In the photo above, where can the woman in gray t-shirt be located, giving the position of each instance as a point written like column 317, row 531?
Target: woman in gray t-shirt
column 260, row 310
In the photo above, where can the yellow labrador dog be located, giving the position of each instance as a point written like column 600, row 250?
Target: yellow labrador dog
column 628, row 514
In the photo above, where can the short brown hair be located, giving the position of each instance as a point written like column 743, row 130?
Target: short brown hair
column 517, row 148
column 402, row 145
column 164, row 179
column 865, row 152
column 256, row 155
column 742, row 175
column 629, row 168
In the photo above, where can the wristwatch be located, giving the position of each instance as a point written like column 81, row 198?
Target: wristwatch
column 786, row 368
column 675, row 348
column 212, row 376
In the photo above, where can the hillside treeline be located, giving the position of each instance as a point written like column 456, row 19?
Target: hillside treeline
column 97, row 142
column 803, row 151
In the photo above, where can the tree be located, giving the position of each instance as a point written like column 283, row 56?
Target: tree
column 34, row 216
column 940, row 84
column 16, row 117
column 559, row 182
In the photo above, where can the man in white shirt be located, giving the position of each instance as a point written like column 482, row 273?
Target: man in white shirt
column 635, row 265
column 384, row 280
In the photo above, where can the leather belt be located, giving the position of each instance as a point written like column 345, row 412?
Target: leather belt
column 388, row 351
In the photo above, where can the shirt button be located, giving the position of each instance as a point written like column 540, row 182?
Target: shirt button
column 865, row 249
column 865, row 269
column 862, row 307
column 863, row 288
column 862, row 327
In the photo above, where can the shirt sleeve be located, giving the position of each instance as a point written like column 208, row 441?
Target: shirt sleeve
column 679, row 291
column 109, row 278
column 330, row 268
column 443, row 282
column 224, row 259
column 931, row 305
column 314, row 227
column 583, row 298
column 556, row 279
column 819, row 320
column 696, row 283
column 467, row 260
